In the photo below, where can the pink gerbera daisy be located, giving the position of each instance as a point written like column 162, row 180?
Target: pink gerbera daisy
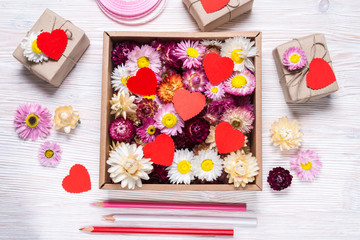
column 144, row 56
column 49, row 154
column 306, row 165
column 147, row 132
column 240, row 83
column 32, row 121
column 216, row 92
column 168, row 120
column 191, row 53
column 294, row 58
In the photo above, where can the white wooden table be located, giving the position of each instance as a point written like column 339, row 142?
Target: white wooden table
column 33, row 204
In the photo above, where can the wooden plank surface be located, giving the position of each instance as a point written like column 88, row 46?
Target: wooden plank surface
column 34, row 206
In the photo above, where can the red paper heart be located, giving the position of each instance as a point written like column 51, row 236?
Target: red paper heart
column 78, row 180
column 144, row 83
column 161, row 151
column 320, row 74
column 211, row 6
column 217, row 68
column 52, row 44
column 187, row 104
column 228, row 139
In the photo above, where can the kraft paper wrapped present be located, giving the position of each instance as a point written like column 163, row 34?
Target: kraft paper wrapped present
column 210, row 14
column 55, row 71
column 313, row 81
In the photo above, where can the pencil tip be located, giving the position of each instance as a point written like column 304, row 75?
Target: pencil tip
column 98, row 204
column 109, row 218
column 81, row 229
column 88, row 229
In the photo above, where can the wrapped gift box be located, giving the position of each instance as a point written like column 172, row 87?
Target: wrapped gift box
column 208, row 18
column 255, row 138
column 294, row 83
column 53, row 71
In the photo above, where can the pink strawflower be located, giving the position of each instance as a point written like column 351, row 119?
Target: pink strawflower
column 32, row 121
column 168, row 120
column 216, row 92
column 191, row 53
column 240, row 118
column 240, row 83
column 195, row 80
column 215, row 109
column 294, row 58
column 144, row 56
column 122, row 130
column 49, row 154
column 147, row 132
column 306, row 165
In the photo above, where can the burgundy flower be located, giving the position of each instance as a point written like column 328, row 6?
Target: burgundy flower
column 146, row 108
column 215, row 109
column 121, row 51
column 197, row 129
column 158, row 175
column 157, row 45
column 168, row 57
column 183, row 141
column 243, row 102
column 122, row 130
column 279, row 178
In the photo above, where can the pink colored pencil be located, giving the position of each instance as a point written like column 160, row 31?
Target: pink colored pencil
column 167, row 205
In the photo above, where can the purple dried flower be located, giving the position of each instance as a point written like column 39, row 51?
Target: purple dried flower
column 168, row 56
column 197, row 129
column 121, row 51
column 158, row 175
column 279, row 178
column 215, row 109
column 146, row 108
column 122, row 130
column 195, row 80
column 147, row 132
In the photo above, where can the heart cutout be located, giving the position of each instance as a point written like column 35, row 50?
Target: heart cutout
column 320, row 74
column 217, row 68
column 211, row 6
column 52, row 44
column 227, row 138
column 161, row 151
column 78, row 180
column 187, row 104
column 144, row 83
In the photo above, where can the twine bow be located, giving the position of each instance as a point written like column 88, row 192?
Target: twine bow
column 228, row 6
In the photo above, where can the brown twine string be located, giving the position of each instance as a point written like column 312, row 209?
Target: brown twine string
column 228, row 6
column 300, row 75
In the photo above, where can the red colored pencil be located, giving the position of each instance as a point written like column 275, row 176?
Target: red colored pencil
column 177, row 231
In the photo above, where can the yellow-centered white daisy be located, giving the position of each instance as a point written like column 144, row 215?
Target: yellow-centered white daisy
column 181, row 170
column 31, row 50
column 240, row 50
column 207, row 165
column 119, row 78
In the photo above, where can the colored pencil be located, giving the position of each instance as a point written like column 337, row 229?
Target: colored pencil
column 168, row 205
column 177, row 231
column 235, row 221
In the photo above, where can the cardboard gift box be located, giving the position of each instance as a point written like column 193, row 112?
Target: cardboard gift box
column 294, row 83
column 53, row 71
column 255, row 139
column 208, row 17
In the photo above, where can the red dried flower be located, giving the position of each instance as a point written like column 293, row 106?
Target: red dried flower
column 279, row 178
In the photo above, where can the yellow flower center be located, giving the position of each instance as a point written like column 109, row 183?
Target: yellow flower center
column 235, row 56
column 215, row 90
column 294, row 58
column 207, row 165
column 151, row 130
column 49, row 153
column 124, row 80
column 184, row 167
column 238, row 81
column 169, row 120
column 143, row 62
column 192, row 52
column 32, row 120
column 307, row 166
column 152, row 97
column 35, row 47
column 236, row 123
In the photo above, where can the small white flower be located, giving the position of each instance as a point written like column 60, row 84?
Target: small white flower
column 208, row 165
column 123, row 104
column 240, row 50
column 31, row 50
column 181, row 170
column 119, row 78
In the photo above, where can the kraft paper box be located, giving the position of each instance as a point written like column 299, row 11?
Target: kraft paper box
column 255, row 138
column 209, row 21
column 53, row 71
column 294, row 83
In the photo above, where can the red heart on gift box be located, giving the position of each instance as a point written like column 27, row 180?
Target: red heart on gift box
column 52, row 44
column 144, row 83
column 187, row 104
column 78, row 180
column 211, row 6
column 320, row 74
column 227, row 138
column 217, row 68
column 161, row 151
